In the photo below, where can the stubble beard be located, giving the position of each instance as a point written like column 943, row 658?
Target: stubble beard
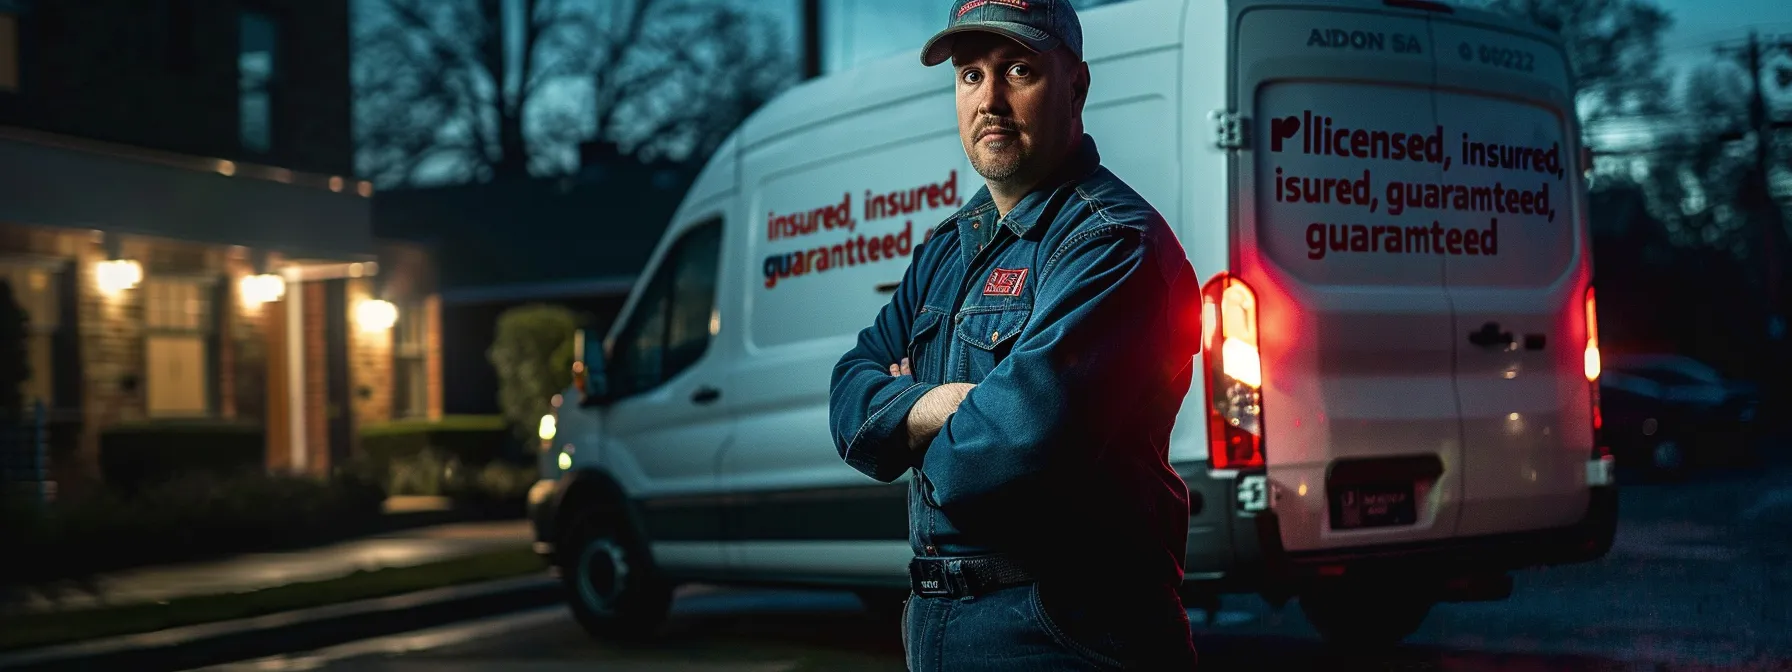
column 1001, row 167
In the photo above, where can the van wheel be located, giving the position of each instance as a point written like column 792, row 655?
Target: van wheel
column 1364, row 616
column 614, row 590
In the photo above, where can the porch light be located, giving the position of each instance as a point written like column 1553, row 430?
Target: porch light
column 117, row 275
column 376, row 315
column 260, row 289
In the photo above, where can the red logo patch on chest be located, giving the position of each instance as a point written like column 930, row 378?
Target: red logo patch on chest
column 1005, row 282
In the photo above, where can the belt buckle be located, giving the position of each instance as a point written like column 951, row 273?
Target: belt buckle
column 929, row 578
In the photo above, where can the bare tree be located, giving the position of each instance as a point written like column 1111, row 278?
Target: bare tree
column 442, row 92
column 437, row 83
column 1691, row 176
column 1614, row 49
column 697, row 70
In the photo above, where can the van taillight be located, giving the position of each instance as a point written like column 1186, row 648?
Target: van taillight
column 1591, row 359
column 1591, row 364
column 1234, row 373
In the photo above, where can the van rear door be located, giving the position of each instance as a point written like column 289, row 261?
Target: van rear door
column 1361, row 431
column 1518, row 285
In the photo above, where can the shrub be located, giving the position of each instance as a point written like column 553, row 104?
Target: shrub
column 498, row 488
column 137, row 455
column 532, row 353
column 389, row 448
column 191, row 516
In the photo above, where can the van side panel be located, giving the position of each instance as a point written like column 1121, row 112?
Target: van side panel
column 835, row 212
column 1526, row 407
column 1354, row 320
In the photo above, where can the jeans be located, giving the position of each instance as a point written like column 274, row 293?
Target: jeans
column 1030, row 628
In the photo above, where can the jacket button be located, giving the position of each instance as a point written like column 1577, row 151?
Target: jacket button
column 995, row 335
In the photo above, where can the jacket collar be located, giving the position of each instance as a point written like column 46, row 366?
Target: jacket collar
column 1027, row 212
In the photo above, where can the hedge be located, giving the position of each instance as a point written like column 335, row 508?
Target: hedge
column 135, row 455
column 473, row 440
column 187, row 517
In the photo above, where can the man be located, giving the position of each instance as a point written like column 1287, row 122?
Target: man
column 1029, row 370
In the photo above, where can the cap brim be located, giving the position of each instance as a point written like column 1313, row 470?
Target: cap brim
column 939, row 49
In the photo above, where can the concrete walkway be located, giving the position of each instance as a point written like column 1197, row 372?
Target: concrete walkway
column 256, row 571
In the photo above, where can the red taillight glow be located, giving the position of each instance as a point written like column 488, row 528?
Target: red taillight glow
column 1234, row 374
column 1591, row 360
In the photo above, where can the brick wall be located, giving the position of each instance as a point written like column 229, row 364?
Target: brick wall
column 277, row 396
column 249, row 345
column 370, row 358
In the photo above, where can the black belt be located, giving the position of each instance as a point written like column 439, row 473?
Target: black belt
column 964, row 576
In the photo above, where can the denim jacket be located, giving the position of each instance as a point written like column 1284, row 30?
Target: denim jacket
column 1077, row 317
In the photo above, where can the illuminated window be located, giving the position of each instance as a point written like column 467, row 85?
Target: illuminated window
column 410, row 375
column 177, row 355
column 257, row 63
column 9, row 52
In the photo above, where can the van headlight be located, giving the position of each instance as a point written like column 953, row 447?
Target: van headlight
column 548, row 427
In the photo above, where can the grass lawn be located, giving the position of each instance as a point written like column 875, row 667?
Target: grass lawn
column 43, row 629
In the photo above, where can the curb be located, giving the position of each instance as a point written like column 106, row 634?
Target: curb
column 209, row 644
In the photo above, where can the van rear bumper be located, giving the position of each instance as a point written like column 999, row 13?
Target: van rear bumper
column 1235, row 551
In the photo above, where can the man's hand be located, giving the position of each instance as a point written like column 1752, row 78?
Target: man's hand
column 929, row 414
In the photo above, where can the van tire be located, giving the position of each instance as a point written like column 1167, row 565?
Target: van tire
column 1364, row 616
column 612, row 586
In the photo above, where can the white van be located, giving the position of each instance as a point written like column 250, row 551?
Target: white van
column 1385, row 199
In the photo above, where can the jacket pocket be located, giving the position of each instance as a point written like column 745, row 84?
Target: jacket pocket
column 988, row 335
column 923, row 336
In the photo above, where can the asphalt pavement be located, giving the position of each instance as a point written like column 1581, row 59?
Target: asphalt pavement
column 1700, row 578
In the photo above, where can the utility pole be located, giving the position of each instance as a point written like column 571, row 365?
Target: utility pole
column 1760, row 187
column 811, row 27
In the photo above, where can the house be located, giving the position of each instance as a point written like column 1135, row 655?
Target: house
column 179, row 219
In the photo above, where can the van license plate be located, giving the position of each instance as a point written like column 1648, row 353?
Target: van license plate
column 1360, row 506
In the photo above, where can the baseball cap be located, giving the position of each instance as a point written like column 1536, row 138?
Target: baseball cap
column 1039, row 25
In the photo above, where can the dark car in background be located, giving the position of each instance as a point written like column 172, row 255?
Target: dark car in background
column 1668, row 414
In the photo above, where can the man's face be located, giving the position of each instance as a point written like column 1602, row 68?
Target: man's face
column 1017, row 110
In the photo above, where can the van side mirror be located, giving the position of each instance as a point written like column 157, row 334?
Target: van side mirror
column 588, row 371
